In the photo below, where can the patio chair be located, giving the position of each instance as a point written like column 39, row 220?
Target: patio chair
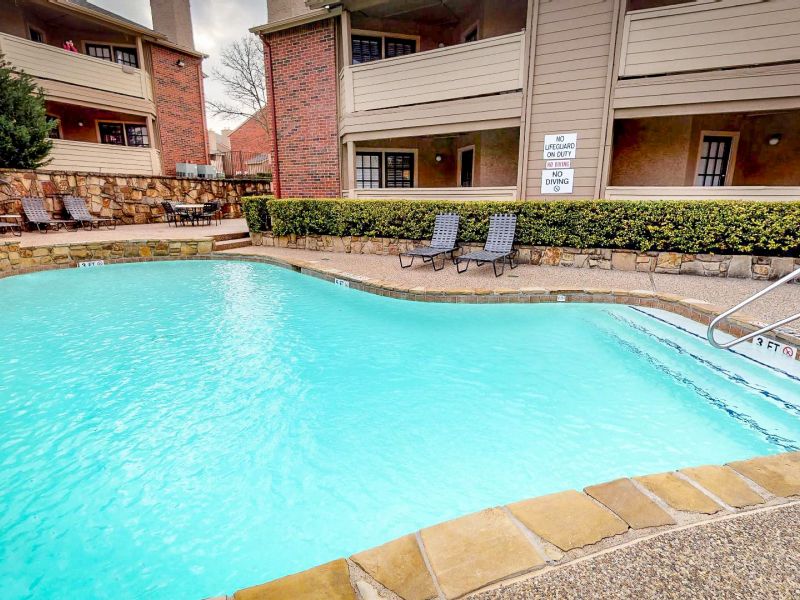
column 499, row 246
column 14, row 228
column 37, row 215
column 212, row 211
column 443, row 242
column 175, row 217
column 76, row 208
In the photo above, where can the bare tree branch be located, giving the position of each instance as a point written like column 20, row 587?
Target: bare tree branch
column 242, row 75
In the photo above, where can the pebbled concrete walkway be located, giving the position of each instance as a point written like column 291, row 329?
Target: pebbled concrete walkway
column 751, row 555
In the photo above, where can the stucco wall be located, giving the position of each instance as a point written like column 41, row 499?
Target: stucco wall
column 663, row 150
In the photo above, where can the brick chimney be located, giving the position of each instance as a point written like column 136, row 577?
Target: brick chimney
column 173, row 18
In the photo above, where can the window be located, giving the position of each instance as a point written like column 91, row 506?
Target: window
column 126, row 56
column 399, row 169
column 368, row 170
column 471, row 35
column 99, row 51
column 124, row 134
column 643, row 4
column 121, row 54
column 399, row 47
column 137, row 135
column 365, row 49
column 714, row 160
column 111, row 133
column 36, row 35
column 55, row 127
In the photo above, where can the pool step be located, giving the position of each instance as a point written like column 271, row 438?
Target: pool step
column 241, row 241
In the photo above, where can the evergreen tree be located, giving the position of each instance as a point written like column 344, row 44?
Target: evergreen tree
column 24, row 126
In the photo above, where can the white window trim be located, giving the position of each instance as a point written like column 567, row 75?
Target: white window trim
column 734, row 135
column 382, row 152
column 383, row 35
column 38, row 30
column 97, row 123
column 458, row 168
column 86, row 43
column 474, row 26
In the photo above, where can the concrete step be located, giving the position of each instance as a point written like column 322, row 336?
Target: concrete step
column 233, row 235
column 230, row 244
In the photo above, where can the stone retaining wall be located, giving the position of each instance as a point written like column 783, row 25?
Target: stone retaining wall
column 14, row 259
column 130, row 198
column 709, row 265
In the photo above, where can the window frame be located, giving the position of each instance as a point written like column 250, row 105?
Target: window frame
column 461, row 151
column 380, row 169
column 124, row 125
column 383, row 152
column 113, row 47
column 37, row 30
column 413, row 169
column 128, row 137
column 57, row 129
column 383, row 35
column 474, row 28
column 730, row 167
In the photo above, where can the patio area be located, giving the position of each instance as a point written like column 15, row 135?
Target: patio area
column 229, row 228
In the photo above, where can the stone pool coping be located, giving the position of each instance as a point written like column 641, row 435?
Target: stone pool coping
column 521, row 540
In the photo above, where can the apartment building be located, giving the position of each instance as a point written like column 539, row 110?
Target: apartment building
column 535, row 98
column 128, row 99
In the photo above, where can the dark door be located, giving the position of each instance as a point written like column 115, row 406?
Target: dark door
column 467, row 160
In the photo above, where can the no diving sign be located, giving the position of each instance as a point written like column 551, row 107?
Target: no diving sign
column 557, row 181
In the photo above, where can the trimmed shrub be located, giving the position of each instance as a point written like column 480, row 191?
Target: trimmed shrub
column 256, row 212
column 723, row 227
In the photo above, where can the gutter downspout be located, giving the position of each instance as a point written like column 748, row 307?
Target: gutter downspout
column 276, row 174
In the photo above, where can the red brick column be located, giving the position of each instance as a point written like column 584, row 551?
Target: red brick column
column 304, row 79
column 180, row 108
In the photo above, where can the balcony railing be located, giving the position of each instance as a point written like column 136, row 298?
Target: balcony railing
column 68, row 155
column 490, row 66
column 709, row 35
column 54, row 64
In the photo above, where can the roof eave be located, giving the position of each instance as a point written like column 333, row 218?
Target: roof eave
column 309, row 17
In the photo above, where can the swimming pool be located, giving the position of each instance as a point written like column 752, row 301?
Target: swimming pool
column 183, row 429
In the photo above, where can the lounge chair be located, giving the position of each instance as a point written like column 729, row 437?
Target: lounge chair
column 76, row 208
column 443, row 242
column 37, row 215
column 14, row 228
column 499, row 246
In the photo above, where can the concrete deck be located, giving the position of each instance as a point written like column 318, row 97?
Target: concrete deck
column 150, row 231
column 718, row 291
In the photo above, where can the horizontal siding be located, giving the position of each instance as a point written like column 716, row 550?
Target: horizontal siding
column 457, row 193
column 758, row 83
column 719, row 35
column 777, row 193
column 102, row 158
column 472, row 113
column 75, row 94
column 569, row 86
column 485, row 67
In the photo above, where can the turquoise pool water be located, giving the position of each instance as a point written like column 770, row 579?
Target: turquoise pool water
column 178, row 430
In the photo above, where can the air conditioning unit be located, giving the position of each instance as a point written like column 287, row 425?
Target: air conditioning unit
column 206, row 171
column 186, row 170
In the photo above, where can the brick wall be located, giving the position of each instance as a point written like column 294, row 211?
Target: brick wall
column 251, row 136
column 304, row 70
column 180, row 108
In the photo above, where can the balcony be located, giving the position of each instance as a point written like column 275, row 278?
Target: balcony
column 485, row 67
column 68, row 155
column 704, row 36
column 87, row 77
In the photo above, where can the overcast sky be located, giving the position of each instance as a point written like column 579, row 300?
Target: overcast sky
column 216, row 23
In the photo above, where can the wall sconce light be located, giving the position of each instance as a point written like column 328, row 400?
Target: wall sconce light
column 80, row 123
column 441, row 44
column 180, row 63
column 439, row 158
column 774, row 139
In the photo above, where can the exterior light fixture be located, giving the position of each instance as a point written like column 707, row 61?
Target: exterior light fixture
column 774, row 139
column 180, row 63
column 439, row 158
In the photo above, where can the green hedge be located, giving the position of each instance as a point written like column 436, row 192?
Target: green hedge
column 736, row 227
column 256, row 212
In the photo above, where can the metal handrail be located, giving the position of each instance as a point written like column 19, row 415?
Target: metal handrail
column 723, row 345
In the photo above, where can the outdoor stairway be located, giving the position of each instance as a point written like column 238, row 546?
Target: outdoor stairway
column 230, row 241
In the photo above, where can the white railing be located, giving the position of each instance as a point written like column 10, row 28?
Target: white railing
column 52, row 63
column 448, row 193
column 755, row 192
column 103, row 158
column 489, row 66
